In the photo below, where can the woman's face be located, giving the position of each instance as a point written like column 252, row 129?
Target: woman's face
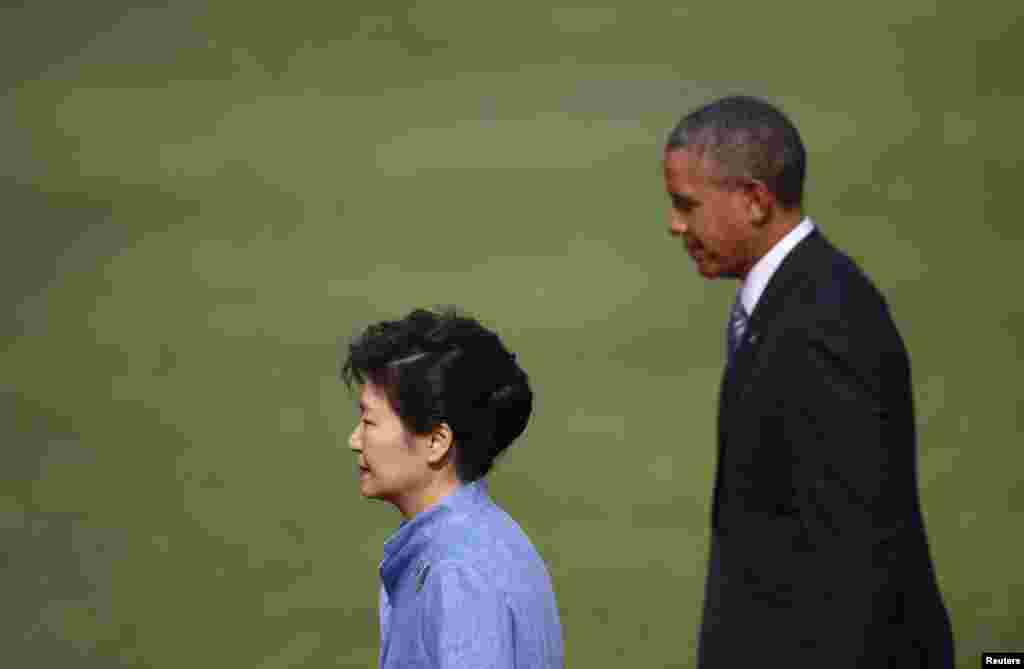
column 393, row 462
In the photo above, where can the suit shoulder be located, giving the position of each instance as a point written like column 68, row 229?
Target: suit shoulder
column 835, row 304
column 841, row 291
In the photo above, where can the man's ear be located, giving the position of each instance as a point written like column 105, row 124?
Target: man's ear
column 761, row 203
column 440, row 445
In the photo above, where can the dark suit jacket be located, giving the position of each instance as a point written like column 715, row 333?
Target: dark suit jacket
column 818, row 550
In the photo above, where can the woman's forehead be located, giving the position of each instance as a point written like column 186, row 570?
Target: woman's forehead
column 372, row 396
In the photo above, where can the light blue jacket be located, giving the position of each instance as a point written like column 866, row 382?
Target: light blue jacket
column 463, row 588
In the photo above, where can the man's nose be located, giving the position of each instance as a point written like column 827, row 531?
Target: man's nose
column 353, row 441
column 676, row 226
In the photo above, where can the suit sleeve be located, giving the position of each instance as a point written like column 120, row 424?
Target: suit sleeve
column 851, row 439
column 467, row 623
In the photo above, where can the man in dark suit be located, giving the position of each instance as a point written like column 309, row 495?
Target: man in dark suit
column 818, row 551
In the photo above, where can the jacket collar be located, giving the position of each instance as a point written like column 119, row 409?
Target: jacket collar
column 792, row 270
column 761, row 273
column 414, row 536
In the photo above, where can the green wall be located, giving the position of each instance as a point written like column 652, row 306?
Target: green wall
column 201, row 202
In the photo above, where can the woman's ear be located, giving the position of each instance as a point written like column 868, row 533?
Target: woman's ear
column 441, row 441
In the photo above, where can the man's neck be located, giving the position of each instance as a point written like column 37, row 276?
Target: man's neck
column 781, row 224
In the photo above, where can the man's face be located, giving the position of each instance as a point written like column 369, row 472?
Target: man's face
column 392, row 461
column 713, row 219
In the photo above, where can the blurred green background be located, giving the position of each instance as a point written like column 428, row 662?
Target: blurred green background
column 199, row 201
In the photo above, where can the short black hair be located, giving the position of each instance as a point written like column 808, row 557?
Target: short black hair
column 749, row 138
column 442, row 366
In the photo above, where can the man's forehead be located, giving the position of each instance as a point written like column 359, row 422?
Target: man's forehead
column 686, row 159
column 686, row 171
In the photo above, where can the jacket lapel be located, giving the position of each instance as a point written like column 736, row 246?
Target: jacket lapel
column 787, row 277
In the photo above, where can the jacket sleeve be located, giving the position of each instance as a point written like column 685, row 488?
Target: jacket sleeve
column 850, row 438
column 467, row 623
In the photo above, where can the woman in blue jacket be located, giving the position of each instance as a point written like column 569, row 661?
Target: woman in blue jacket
column 440, row 398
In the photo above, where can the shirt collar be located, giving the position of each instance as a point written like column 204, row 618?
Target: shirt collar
column 757, row 279
column 413, row 536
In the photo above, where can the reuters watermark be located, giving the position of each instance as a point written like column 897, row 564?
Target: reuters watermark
column 1002, row 660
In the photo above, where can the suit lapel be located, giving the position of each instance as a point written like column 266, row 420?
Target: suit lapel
column 793, row 270
column 786, row 278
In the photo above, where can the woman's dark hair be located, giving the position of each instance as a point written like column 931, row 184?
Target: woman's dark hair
column 441, row 366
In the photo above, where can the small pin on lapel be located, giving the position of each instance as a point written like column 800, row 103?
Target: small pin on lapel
column 422, row 576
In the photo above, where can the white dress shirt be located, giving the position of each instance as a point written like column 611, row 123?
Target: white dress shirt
column 757, row 279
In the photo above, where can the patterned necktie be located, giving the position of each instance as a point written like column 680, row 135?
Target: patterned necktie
column 738, row 320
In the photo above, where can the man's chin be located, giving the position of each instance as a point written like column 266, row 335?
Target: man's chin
column 707, row 272
column 712, row 271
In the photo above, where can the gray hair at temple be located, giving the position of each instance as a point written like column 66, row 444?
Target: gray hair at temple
column 746, row 138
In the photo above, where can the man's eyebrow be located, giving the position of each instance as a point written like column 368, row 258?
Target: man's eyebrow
column 362, row 407
column 683, row 200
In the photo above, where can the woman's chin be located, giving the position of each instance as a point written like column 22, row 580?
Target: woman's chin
column 366, row 486
column 370, row 490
